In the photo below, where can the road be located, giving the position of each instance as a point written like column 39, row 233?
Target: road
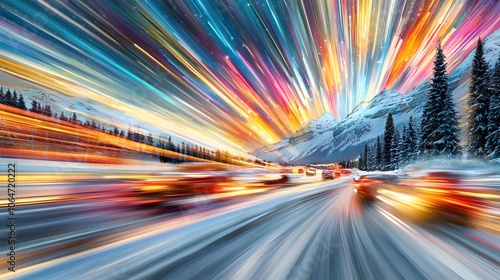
column 317, row 230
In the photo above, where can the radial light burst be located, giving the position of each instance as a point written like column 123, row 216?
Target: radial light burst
column 237, row 74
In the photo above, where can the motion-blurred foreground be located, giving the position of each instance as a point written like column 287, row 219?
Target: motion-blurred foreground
column 199, row 221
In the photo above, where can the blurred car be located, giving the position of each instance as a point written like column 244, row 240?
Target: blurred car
column 281, row 180
column 366, row 186
column 300, row 170
column 327, row 174
column 311, row 172
column 437, row 195
column 448, row 198
column 163, row 190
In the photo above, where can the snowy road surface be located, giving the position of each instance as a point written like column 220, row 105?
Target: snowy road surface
column 318, row 230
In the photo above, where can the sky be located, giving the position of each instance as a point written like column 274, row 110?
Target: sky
column 234, row 74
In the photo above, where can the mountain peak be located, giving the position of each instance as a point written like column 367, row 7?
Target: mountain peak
column 327, row 116
column 325, row 121
column 387, row 93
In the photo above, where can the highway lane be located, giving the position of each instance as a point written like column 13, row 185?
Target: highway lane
column 106, row 214
column 317, row 230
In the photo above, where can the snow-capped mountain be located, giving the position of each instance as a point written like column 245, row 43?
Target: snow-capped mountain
column 305, row 139
column 342, row 139
column 345, row 139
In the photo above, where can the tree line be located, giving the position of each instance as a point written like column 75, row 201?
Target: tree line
column 182, row 152
column 438, row 132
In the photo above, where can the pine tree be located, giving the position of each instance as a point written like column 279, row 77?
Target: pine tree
column 149, row 140
column 1, row 95
column 8, row 100
column 20, row 103
column 395, row 152
column 448, row 145
column 196, row 151
column 371, row 158
column 360, row 161
column 14, row 99
column 73, row 118
column 403, row 148
column 477, row 117
column 130, row 135
column 411, row 142
column 493, row 138
column 378, row 155
column 161, row 155
column 388, row 135
column 364, row 158
column 34, row 105
column 367, row 157
column 170, row 144
column 433, row 106
column 178, row 151
column 62, row 117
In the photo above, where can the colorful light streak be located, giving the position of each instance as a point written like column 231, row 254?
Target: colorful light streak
column 236, row 74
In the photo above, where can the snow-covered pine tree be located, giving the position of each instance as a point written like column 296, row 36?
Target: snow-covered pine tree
column 361, row 160
column 403, row 149
column 371, row 158
column 388, row 135
column 477, row 104
column 366, row 155
column 493, row 138
column 448, row 145
column 378, row 155
column 412, row 151
column 395, row 152
column 433, row 106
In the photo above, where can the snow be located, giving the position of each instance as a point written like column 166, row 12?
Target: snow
column 320, row 124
